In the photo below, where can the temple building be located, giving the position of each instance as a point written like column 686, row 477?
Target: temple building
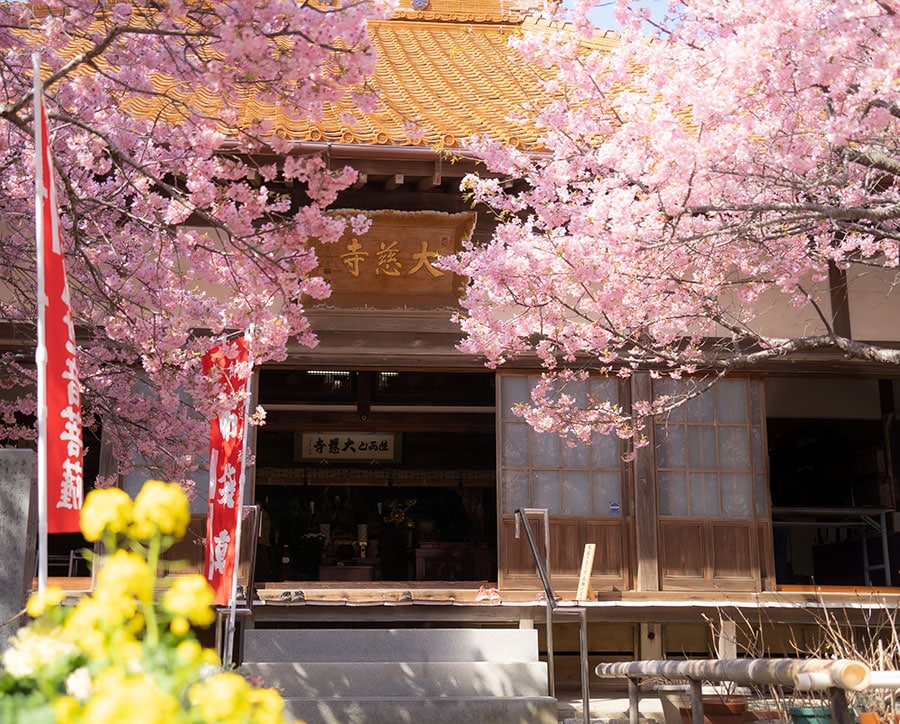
column 391, row 461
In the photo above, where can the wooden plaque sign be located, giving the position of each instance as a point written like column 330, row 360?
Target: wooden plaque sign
column 585, row 592
column 347, row 446
column 393, row 264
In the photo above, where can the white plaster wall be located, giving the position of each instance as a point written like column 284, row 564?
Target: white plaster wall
column 874, row 303
column 775, row 316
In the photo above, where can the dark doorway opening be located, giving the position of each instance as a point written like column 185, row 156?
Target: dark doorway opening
column 377, row 476
column 413, row 533
column 831, row 501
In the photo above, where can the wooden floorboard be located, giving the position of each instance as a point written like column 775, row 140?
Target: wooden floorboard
column 436, row 600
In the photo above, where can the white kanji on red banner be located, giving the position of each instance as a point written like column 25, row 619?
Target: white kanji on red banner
column 230, row 361
column 58, row 384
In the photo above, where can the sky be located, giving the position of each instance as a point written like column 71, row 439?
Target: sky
column 603, row 13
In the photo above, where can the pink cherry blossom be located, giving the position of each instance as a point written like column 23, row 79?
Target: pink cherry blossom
column 174, row 238
column 689, row 179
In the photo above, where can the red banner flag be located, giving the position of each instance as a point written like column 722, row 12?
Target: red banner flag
column 231, row 361
column 58, row 387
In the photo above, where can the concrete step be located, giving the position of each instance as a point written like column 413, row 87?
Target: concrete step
column 404, row 676
column 403, row 679
column 377, row 645
column 414, row 710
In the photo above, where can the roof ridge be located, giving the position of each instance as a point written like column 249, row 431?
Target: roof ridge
column 467, row 11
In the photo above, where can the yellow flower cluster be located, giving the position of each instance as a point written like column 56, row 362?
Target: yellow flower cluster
column 190, row 601
column 121, row 654
column 158, row 508
column 228, row 698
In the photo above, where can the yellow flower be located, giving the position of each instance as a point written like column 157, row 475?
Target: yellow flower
column 267, row 706
column 105, row 509
column 191, row 597
column 129, row 648
column 179, row 626
column 37, row 603
column 210, row 657
column 87, row 624
column 67, row 710
column 119, row 607
column 137, row 699
column 125, row 573
column 160, row 506
column 189, row 651
column 222, row 698
column 105, row 659
column 136, row 623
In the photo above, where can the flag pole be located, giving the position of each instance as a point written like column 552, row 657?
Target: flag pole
column 242, row 480
column 41, row 350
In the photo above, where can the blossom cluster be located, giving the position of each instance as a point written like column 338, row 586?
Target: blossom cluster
column 175, row 232
column 708, row 182
column 127, row 652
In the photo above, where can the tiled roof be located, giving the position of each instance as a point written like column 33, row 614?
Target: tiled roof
column 447, row 69
column 443, row 66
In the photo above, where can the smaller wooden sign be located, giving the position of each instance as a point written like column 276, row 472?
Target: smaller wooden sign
column 347, row 446
column 585, row 591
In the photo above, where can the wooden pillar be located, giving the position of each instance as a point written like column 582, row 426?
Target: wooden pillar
column 888, row 493
column 249, row 492
column 840, row 300
column 634, row 701
column 726, row 646
column 840, row 711
column 646, row 504
column 650, row 643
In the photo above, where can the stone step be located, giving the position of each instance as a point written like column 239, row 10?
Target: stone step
column 403, row 679
column 414, row 710
column 377, row 645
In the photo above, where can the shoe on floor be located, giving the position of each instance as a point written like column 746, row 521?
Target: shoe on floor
column 298, row 596
column 285, row 596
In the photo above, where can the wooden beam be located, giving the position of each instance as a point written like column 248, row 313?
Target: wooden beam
column 429, row 182
column 361, row 180
column 393, row 182
column 352, row 421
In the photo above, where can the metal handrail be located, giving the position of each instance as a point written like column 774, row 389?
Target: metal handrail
column 552, row 605
column 522, row 514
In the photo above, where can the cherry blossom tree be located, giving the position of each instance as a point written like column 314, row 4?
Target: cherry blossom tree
column 692, row 180
column 160, row 120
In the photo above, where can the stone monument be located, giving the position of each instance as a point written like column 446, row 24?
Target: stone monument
column 18, row 535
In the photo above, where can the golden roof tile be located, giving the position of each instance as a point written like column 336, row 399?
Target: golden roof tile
column 446, row 71
column 444, row 68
